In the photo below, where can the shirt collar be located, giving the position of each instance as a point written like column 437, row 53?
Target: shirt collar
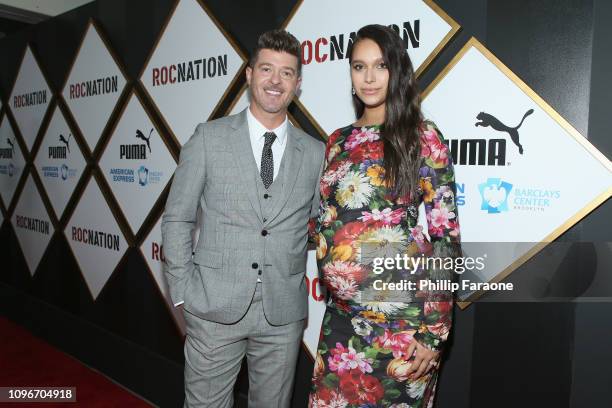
column 257, row 130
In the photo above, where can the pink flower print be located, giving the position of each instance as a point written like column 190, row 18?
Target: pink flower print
column 344, row 360
column 387, row 216
column 440, row 217
column 359, row 136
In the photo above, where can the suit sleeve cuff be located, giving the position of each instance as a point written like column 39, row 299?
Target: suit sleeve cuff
column 178, row 303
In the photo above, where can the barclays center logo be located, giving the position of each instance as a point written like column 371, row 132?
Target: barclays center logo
column 67, row 173
column 143, row 175
column 494, row 194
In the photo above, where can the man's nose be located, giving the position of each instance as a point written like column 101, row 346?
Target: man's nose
column 275, row 78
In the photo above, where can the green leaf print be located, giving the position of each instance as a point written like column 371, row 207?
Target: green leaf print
column 329, row 234
column 323, row 348
column 331, row 380
column 388, row 383
column 356, row 343
column 392, row 393
column 371, row 352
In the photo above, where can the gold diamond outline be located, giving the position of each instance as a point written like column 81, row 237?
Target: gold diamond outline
column 583, row 141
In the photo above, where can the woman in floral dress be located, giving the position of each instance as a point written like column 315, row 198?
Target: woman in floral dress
column 372, row 352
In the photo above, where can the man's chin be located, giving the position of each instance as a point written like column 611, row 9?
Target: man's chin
column 274, row 109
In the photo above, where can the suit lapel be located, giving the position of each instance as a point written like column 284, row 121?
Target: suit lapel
column 292, row 160
column 243, row 156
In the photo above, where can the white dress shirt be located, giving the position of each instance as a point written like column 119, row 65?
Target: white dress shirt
column 257, row 131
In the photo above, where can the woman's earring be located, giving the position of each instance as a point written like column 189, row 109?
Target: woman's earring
column 353, row 91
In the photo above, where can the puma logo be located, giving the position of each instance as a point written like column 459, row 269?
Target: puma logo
column 10, row 143
column 66, row 142
column 487, row 119
column 140, row 135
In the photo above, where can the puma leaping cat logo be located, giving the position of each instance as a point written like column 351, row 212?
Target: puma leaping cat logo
column 487, row 119
column 10, row 143
column 65, row 141
column 140, row 135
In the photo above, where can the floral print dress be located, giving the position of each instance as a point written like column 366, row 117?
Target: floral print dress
column 362, row 354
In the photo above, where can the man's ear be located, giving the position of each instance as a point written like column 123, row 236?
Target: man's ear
column 299, row 84
column 249, row 72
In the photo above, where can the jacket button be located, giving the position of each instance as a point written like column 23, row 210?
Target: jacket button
column 255, row 265
column 259, row 273
column 264, row 233
column 266, row 196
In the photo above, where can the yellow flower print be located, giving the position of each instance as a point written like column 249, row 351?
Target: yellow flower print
column 428, row 191
column 377, row 317
column 321, row 246
column 376, row 173
column 342, row 253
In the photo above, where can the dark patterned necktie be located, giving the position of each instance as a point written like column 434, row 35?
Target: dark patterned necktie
column 267, row 161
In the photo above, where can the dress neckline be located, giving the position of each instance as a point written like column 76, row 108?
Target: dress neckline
column 365, row 126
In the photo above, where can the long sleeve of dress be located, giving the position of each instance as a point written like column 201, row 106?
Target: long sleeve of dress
column 314, row 223
column 437, row 182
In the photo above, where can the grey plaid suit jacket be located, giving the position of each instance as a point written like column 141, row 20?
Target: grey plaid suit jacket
column 217, row 171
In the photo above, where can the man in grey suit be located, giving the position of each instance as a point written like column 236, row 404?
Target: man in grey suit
column 256, row 179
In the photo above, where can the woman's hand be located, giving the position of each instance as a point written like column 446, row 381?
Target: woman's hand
column 424, row 361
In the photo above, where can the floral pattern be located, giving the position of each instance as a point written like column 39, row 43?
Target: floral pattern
column 362, row 356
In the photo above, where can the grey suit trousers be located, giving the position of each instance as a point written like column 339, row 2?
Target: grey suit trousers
column 214, row 353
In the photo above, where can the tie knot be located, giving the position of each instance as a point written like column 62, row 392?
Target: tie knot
column 270, row 137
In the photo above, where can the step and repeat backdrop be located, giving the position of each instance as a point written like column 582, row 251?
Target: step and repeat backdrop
column 93, row 160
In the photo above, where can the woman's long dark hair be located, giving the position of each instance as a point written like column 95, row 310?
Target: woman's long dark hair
column 403, row 115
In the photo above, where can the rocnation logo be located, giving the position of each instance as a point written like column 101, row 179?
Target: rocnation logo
column 30, row 99
column 494, row 194
column 96, row 238
column 338, row 46
column 32, row 224
column 93, row 87
column 186, row 71
column 157, row 252
column 489, row 152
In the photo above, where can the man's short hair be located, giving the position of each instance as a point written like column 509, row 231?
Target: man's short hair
column 278, row 40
